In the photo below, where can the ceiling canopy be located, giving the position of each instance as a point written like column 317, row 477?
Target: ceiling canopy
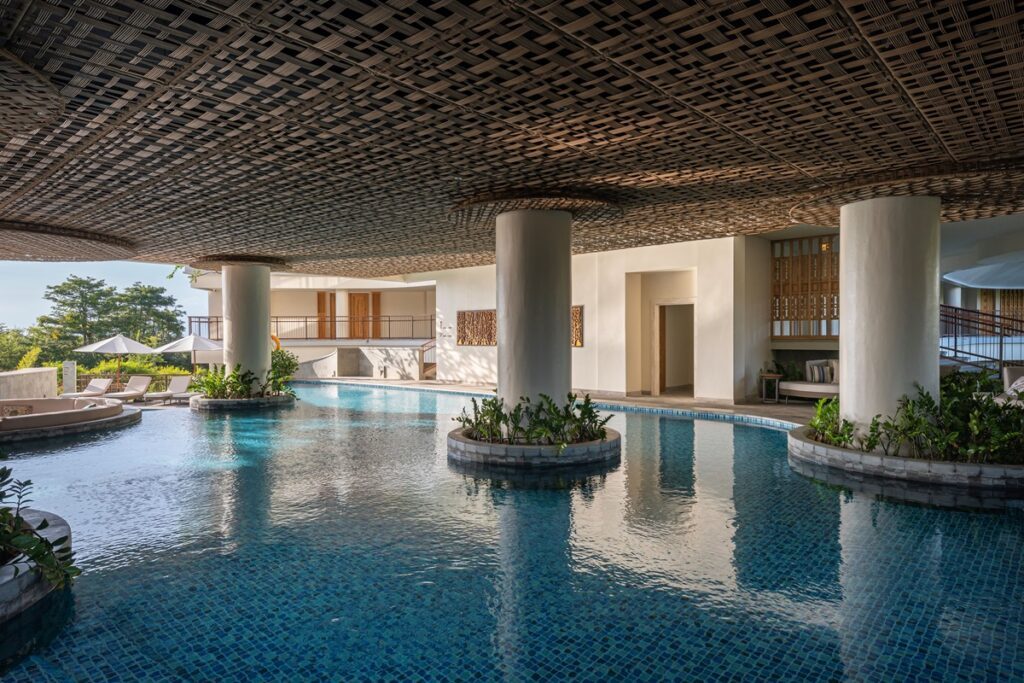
column 358, row 138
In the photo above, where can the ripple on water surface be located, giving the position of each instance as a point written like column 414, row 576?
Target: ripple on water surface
column 332, row 541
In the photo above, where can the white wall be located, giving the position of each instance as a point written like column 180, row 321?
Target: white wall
column 29, row 383
column 725, row 322
column 753, row 268
column 465, row 289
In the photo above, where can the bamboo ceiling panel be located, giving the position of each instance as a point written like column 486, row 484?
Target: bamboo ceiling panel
column 358, row 138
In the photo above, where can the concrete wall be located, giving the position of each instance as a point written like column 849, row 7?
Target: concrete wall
column 29, row 383
column 728, row 315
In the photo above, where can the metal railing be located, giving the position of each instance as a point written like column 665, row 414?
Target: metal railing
column 980, row 338
column 338, row 327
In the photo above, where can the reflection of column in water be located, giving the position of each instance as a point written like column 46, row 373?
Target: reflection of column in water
column 713, row 510
column 534, row 576
column 642, row 463
column 787, row 528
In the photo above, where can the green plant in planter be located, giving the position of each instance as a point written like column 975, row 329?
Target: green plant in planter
column 20, row 541
column 828, row 426
column 964, row 425
column 543, row 422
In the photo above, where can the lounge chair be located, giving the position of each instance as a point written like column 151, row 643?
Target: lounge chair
column 96, row 387
column 134, row 390
column 177, row 385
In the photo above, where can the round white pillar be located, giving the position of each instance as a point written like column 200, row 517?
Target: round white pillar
column 951, row 294
column 888, row 303
column 246, row 302
column 534, row 278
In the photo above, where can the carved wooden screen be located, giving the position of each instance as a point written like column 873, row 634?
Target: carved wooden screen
column 805, row 288
column 477, row 328
column 480, row 328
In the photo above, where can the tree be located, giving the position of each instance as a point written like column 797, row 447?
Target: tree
column 14, row 344
column 148, row 314
column 85, row 310
column 81, row 311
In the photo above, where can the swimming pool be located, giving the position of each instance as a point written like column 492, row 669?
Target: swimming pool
column 332, row 541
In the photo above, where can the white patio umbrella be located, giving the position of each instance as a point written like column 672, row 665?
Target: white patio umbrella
column 190, row 344
column 117, row 345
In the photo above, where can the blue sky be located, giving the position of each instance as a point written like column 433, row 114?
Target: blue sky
column 22, row 285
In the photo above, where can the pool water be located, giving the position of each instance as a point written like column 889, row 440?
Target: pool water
column 333, row 542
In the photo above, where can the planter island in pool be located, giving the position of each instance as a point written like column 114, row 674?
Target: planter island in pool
column 462, row 449
column 202, row 403
column 21, row 585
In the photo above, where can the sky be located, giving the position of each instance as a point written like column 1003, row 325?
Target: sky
column 22, row 284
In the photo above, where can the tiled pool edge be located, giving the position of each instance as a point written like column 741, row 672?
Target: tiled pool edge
column 738, row 418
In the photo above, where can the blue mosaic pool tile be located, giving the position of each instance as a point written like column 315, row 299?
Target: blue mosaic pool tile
column 333, row 542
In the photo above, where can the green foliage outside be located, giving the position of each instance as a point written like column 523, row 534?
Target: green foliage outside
column 540, row 423
column 237, row 384
column 30, row 358
column 14, row 344
column 19, row 541
column 965, row 425
column 84, row 310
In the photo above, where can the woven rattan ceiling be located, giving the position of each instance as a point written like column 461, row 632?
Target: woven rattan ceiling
column 339, row 136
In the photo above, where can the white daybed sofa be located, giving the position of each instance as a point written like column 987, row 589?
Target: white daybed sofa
column 810, row 389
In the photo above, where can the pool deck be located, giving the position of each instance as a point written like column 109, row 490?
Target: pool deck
column 795, row 411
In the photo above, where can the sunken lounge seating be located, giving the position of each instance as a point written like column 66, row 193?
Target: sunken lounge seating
column 37, row 413
column 1013, row 386
column 821, row 380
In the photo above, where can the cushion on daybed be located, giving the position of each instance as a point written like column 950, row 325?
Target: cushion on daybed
column 809, row 389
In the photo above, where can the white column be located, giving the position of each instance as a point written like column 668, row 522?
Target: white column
column 888, row 303
column 951, row 294
column 533, row 253
column 246, row 301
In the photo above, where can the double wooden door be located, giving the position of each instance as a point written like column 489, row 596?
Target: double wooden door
column 364, row 322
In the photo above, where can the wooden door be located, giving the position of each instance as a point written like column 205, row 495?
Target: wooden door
column 325, row 307
column 358, row 316
column 375, row 325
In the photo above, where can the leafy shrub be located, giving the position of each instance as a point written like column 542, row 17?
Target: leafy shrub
column 238, row 384
column 828, row 427
column 283, row 366
column 540, row 423
column 132, row 365
column 29, row 359
column 965, row 425
column 20, row 541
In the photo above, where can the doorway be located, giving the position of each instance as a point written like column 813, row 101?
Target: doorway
column 325, row 317
column 674, row 339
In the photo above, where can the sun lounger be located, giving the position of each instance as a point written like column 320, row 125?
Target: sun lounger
column 1013, row 386
column 96, row 387
column 177, row 385
column 135, row 389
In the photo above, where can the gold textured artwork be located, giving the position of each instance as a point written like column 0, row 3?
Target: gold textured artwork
column 480, row 328
column 477, row 328
column 577, row 326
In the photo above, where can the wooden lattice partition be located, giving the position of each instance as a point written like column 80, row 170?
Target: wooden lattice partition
column 1011, row 303
column 480, row 328
column 805, row 288
column 987, row 301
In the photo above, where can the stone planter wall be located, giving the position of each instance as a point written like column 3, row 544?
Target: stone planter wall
column 467, row 451
column 18, row 593
column 204, row 404
column 803, row 449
